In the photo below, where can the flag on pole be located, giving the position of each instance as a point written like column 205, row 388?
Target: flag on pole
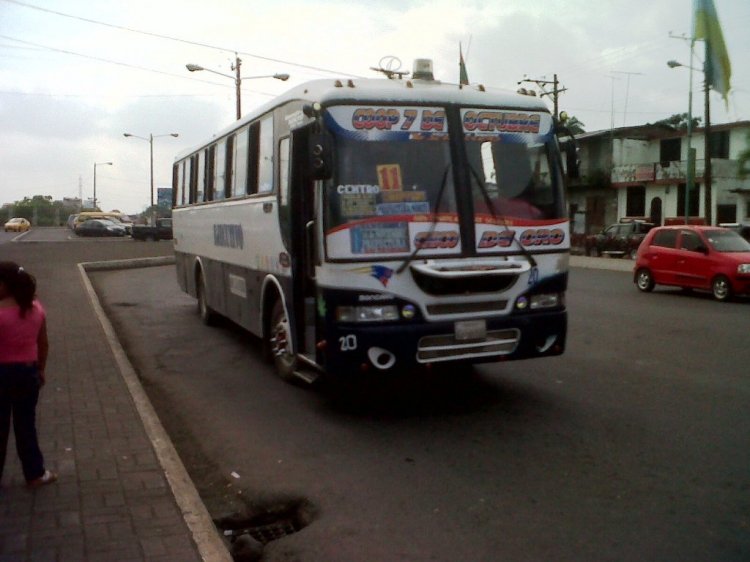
column 463, row 77
column 717, row 67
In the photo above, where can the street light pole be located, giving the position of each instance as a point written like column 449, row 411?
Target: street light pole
column 95, row 165
column 150, row 140
column 691, row 157
column 237, row 78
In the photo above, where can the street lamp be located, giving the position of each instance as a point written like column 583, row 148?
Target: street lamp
column 150, row 140
column 707, row 140
column 237, row 78
column 95, row 165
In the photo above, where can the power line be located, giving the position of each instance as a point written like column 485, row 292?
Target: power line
column 127, row 65
column 177, row 39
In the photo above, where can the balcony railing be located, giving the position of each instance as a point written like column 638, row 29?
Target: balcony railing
column 654, row 171
column 675, row 171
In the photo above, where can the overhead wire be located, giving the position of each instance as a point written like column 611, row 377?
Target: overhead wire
column 177, row 39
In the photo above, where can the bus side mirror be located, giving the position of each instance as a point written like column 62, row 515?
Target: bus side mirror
column 321, row 156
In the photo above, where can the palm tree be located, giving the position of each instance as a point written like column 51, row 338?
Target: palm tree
column 575, row 126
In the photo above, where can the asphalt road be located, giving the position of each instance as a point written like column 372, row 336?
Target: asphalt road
column 634, row 445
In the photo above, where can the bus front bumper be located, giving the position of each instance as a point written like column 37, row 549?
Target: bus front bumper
column 371, row 348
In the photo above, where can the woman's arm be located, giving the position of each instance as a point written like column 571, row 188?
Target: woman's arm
column 43, row 348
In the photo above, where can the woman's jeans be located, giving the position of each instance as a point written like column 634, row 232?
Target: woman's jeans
column 19, row 392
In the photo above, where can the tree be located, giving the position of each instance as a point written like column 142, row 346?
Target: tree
column 575, row 126
column 678, row 122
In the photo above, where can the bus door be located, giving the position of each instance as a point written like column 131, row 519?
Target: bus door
column 303, row 244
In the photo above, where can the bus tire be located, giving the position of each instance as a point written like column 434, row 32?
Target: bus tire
column 208, row 316
column 280, row 343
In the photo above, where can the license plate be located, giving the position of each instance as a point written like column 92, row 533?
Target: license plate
column 471, row 330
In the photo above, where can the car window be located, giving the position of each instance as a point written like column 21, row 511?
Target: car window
column 727, row 241
column 665, row 238
column 690, row 241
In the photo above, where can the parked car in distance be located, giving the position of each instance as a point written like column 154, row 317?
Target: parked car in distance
column 162, row 230
column 99, row 227
column 741, row 228
column 618, row 240
column 710, row 258
column 17, row 224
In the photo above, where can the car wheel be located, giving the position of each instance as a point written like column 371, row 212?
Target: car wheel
column 208, row 316
column 644, row 280
column 632, row 254
column 721, row 288
column 280, row 343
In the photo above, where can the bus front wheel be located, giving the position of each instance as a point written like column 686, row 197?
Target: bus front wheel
column 208, row 316
column 280, row 343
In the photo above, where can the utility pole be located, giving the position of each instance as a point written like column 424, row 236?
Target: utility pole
column 237, row 83
column 555, row 93
column 707, row 148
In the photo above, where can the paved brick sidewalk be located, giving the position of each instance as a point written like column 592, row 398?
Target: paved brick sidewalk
column 112, row 501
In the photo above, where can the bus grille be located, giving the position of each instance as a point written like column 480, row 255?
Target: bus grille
column 433, row 349
column 466, row 307
column 463, row 285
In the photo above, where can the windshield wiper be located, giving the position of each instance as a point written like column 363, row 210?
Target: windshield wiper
column 439, row 200
column 493, row 211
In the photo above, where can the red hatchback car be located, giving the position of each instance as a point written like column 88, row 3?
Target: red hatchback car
column 694, row 257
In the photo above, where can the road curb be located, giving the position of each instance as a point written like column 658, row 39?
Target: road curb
column 194, row 512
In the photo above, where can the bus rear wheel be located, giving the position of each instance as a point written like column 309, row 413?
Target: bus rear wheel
column 280, row 343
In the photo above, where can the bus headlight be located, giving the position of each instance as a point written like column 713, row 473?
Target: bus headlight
column 545, row 300
column 539, row 302
column 743, row 269
column 367, row 313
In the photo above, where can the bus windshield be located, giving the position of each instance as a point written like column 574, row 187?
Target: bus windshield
column 393, row 191
column 512, row 181
column 391, row 185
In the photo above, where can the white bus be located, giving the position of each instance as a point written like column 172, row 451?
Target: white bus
column 375, row 225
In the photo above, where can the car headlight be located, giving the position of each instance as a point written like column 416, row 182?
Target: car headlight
column 367, row 313
column 743, row 269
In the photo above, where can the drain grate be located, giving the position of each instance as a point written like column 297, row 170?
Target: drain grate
column 267, row 533
column 273, row 522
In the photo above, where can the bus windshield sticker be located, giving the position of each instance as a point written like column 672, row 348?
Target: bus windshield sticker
column 380, row 238
column 389, row 177
column 513, row 126
column 358, row 205
column 402, row 196
column 403, row 208
column 395, row 123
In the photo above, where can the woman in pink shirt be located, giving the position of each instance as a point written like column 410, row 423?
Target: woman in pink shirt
column 23, row 357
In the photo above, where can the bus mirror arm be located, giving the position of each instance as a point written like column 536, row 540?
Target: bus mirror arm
column 310, row 249
column 321, row 156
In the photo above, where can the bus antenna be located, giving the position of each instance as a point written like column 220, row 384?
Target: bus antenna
column 390, row 65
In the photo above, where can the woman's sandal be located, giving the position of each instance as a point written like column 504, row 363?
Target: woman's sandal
column 47, row 478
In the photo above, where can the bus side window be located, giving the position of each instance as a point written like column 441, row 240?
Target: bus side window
column 208, row 195
column 252, row 158
column 219, row 173
column 265, row 156
column 284, row 172
column 178, row 176
column 200, row 177
column 229, row 168
column 239, row 174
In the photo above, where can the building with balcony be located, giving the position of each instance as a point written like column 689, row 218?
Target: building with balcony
column 642, row 172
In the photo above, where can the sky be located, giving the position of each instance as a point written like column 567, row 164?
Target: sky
column 76, row 75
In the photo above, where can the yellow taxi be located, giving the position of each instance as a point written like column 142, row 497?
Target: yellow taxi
column 17, row 225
